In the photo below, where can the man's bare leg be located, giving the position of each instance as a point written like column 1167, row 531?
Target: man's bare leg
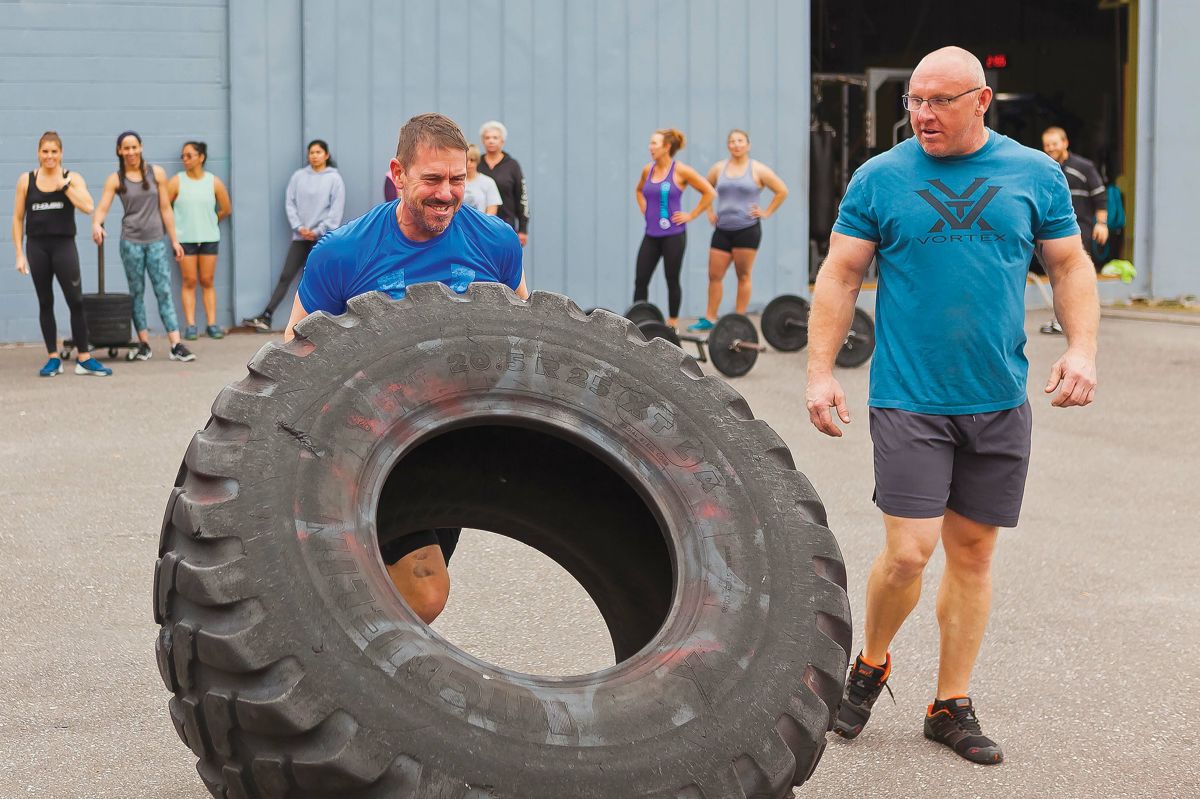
column 422, row 579
column 964, row 599
column 894, row 585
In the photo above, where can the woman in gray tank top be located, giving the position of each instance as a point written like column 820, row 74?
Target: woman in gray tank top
column 148, row 218
column 738, row 221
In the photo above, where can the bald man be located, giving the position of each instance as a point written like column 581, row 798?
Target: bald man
column 953, row 216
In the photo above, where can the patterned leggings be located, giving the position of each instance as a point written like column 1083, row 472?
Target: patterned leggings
column 143, row 259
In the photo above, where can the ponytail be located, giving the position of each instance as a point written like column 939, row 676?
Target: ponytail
column 673, row 138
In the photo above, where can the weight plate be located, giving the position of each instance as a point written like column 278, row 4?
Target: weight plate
column 643, row 311
column 860, row 342
column 785, row 323
column 653, row 329
column 730, row 328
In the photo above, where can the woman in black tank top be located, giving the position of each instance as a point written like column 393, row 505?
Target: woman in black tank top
column 44, row 236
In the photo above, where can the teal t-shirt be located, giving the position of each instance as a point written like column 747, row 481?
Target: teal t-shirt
column 955, row 236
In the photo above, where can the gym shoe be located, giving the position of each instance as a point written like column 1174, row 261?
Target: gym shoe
column 212, row 331
column 262, row 324
column 142, row 353
column 952, row 722
column 53, row 367
column 862, row 689
column 701, row 325
column 1052, row 327
column 190, row 333
column 181, row 353
column 92, row 367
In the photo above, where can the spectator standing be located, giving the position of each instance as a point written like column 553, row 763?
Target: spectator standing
column 737, row 220
column 1089, row 199
column 481, row 192
column 658, row 193
column 146, row 221
column 200, row 201
column 44, row 221
column 316, row 200
column 504, row 169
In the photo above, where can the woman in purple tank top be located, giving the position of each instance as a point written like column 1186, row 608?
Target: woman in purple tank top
column 659, row 190
column 737, row 222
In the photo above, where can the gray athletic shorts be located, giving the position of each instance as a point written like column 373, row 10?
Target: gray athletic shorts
column 973, row 464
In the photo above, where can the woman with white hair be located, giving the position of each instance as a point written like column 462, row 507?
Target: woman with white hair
column 503, row 168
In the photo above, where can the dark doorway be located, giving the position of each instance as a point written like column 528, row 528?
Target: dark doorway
column 1064, row 63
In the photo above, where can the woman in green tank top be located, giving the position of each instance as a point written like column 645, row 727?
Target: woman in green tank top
column 201, row 201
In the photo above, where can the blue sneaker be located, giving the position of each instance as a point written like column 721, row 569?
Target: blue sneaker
column 212, row 331
column 701, row 325
column 53, row 367
column 92, row 367
column 189, row 333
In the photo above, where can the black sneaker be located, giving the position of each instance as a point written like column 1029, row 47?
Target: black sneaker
column 862, row 689
column 261, row 324
column 952, row 722
column 181, row 353
column 142, row 353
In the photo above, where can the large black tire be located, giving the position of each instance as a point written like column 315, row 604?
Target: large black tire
column 298, row 671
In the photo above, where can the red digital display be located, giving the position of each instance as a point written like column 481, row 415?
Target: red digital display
column 995, row 61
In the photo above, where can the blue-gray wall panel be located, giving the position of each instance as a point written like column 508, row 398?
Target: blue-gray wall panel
column 1168, row 165
column 172, row 86
column 581, row 86
column 266, row 140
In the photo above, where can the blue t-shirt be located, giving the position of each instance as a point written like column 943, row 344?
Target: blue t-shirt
column 371, row 254
column 955, row 236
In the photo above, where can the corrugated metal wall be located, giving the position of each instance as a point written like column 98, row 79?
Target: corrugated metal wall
column 90, row 70
column 580, row 86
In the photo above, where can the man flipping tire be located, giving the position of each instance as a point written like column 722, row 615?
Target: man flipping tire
column 952, row 215
column 425, row 235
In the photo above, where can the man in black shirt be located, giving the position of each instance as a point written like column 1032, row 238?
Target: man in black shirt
column 1088, row 197
column 503, row 168
column 1087, row 189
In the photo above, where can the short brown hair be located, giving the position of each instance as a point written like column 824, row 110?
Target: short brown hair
column 1055, row 130
column 433, row 130
column 50, row 135
column 673, row 138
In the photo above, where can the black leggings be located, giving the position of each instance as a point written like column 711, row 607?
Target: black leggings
column 293, row 265
column 53, row 257
column 670, row 249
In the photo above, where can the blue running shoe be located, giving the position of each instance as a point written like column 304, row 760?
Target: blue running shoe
column 53, row 367
column 189, row 333
column 701, row 325
column 92, row 367
column 212, row 331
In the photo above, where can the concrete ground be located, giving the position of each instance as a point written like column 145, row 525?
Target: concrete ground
column 1087, row 674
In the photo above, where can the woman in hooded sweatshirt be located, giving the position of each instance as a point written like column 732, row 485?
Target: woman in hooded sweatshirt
column 316, row 199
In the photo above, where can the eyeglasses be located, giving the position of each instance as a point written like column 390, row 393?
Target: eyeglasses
column 912, row 103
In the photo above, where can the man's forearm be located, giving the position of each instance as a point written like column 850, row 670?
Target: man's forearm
column 829, row 319
column 1077, row 304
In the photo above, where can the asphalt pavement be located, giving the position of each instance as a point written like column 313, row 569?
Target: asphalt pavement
column 1087, row 674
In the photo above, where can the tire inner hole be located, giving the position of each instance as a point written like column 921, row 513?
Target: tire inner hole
column 553, row 494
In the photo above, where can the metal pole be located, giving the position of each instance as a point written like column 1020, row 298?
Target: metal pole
column 100, row 264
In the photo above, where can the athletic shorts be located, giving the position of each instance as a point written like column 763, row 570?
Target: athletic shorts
column 397, row 548
column 748, row 238
column 973, row 464
column 202, row 248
